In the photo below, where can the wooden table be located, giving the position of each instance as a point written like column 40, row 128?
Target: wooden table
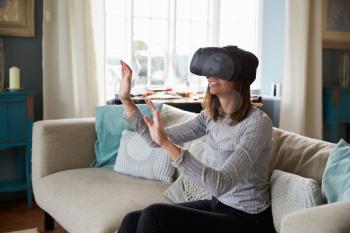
column 187, row 104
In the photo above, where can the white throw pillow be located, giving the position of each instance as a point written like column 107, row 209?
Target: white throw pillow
column 136, row 158
column 184, row 189
column 289, row 193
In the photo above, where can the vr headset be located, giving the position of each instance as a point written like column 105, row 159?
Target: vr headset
column 229, row 63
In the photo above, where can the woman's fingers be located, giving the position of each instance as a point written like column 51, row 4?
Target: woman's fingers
column 125, row 84
column 122, row 67
column 125, row 68
column 156, row 114
column 148, row 121
column 155, row 127
column 122, row 62
column 151, row 105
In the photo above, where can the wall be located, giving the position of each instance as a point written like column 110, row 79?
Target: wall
column 25, row 53
column 272, row 44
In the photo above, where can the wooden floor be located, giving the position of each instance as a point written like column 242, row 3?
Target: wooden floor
column 15, row 215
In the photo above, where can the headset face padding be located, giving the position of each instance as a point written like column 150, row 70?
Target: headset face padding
column 227, row 63
column 212, row 61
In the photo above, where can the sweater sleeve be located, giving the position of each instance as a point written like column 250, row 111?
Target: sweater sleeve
column 256, row 136
column 178, row 134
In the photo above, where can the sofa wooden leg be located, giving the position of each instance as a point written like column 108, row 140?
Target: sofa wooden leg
column 49, row 222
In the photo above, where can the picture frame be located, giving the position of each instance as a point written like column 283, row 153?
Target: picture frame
column 17, row 18
column 336, row 24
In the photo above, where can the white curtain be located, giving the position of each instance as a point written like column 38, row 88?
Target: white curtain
column 301, row 103
column 73, row 61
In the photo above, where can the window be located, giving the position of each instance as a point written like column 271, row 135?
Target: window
column 158, row 38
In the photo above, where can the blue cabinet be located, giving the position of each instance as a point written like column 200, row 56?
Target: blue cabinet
column 336, row 109
column 16, row 122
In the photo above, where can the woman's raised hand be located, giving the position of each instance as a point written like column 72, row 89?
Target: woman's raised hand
column 125, row 84
column 156, row 127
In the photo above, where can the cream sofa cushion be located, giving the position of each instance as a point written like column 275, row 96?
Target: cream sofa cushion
column 95, row 200
column 289, row 193
column 171, row 115
column 300, row 155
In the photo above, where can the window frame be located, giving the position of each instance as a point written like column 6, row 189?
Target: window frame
column 213, row 38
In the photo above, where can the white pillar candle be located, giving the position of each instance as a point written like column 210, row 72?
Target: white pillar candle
column 14, row 78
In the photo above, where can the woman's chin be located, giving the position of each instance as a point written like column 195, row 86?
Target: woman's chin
column 213, row 91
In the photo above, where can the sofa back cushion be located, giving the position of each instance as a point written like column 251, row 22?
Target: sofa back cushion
column 300, row 155
column 290, row 152
column 172, row 115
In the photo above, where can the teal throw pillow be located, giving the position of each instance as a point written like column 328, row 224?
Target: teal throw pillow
column 109, row 125
column 336, row 178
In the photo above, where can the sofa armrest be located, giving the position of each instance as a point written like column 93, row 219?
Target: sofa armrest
column 62, row 144
column 329, row 218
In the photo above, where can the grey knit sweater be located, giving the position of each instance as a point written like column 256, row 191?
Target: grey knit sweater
column 236, row 170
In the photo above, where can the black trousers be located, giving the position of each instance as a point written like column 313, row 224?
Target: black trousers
column 202, row 216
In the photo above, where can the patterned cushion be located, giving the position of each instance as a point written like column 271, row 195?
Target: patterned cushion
column 137, row 158
column 290, row 192
column 184, row 190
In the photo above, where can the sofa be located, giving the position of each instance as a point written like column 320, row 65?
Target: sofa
column 84, row 199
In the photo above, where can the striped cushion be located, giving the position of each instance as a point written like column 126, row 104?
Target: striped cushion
column 290, row 193
column 137, row 158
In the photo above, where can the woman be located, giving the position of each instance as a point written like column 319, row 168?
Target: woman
column 236, row 151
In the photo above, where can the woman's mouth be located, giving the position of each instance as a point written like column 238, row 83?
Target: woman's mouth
column 212, row 83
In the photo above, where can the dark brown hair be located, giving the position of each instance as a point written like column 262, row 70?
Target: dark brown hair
column 213, row 108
